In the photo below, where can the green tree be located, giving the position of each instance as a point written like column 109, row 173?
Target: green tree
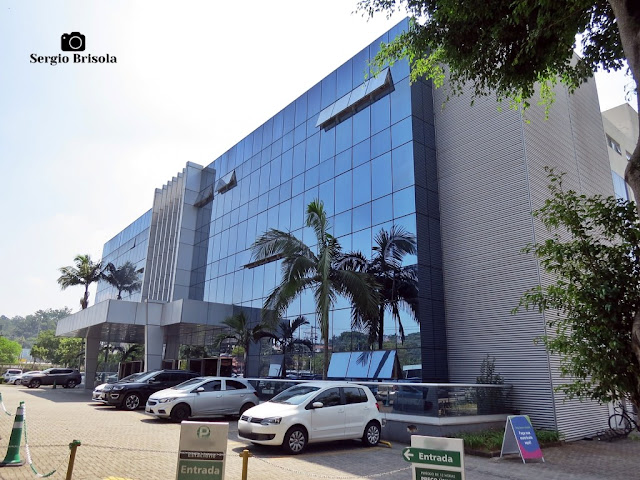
column 85, row 272
column 508, row 47
column 320, row 272
column 125, row 278
column 351, row 341
column 594, row 256
column 46, row 347
column 25, row 329
column 70, row 352
column 284, row 336
column 241, row 332
column 9, row 350
column 397, row 284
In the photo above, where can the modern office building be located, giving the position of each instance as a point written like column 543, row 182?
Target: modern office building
column 378, row 151
column 621, row 133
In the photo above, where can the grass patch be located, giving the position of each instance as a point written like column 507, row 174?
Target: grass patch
column 491, row 440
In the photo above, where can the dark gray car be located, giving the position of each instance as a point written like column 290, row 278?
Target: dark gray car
column 65, row 377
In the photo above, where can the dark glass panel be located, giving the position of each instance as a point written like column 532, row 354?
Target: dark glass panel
column 328, row 90
column 400, row 101
column 311, row 177
column 343, row 162
column 343, row 192
column 381, row 210
column 327, row 144
column 404, row 202
column 326, row 194
column 344, row 135
column 401, row 132
column 313, row 150
column 361, row 152
column 361, row 125
column 381, row 143
column 380, row 114
column 344, row 78
column 402, row 160
column 313, row 100
column 362, row 187
column 381, row 176
column 289, row 113
column 361, row 217
column 286, row 166
column 298, row 158
column 342, row 224
column 327, row 170
column 301, row 109
column 297, row 185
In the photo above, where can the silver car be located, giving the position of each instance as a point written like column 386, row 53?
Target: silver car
column 203, row 397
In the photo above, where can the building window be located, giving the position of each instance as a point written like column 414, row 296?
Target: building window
column 619, row 186
column 613, row 144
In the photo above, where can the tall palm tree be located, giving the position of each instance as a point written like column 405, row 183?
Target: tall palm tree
column 240, row 331
column 321, row 273
column 285, row 336
column 84, row 273
column 125, row 278
column 397, row 284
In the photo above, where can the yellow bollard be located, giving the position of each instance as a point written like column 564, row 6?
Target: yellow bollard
column 245, row 462
column 73, row 446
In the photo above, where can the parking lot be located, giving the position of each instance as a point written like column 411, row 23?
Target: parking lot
column 119, row 445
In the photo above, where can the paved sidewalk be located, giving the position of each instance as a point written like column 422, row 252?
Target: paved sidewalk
column 120, row 445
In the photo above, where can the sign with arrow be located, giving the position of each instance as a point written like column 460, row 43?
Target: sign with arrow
column 435, row 458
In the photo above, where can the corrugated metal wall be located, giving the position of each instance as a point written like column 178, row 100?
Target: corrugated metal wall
column 491, row 175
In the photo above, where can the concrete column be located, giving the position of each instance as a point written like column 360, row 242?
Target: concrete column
column 153, row 337
column 91, row 353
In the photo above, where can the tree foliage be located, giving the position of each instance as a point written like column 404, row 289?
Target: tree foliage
column 24, row 330
column 9, row 350
column 241, row 332
column 85, row 272
column 397, row 284
column 124, row 278
column 284, row 336
column 319, row 272
column 57, row 350
column 594, row 256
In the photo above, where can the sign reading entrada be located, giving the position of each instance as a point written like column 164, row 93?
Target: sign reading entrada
column 72, row 42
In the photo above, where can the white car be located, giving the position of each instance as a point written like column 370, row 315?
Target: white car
column 11, row 372
column 98, row 394
column 203, row 397
column 16, row 378
column 314, row 412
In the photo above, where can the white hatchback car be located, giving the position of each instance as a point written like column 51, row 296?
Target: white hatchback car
column 314, row 412
column 203, row 397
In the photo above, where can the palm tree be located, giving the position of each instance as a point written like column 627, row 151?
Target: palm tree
column 125, row 278
column 285, row 336
column 397, row 284
column 240, row 331
column 321, row 273
column 84, row 273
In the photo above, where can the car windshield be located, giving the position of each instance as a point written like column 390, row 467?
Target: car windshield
column 131, row 378
column 295, row 395
column 189, row 384
column 143, row 377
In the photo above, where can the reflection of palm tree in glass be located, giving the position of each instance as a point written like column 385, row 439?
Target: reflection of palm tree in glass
column 124, row 278
column 397, row 283
column 284, row 337
column 241, row 332
column 322, row 273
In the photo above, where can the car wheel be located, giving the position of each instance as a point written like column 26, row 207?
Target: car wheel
column 131, row 401
column 371, row 435
column 71, row 384
column 295, row 440
column 244, row 408
column 16, row 382
column 180, row 412
column 35, row 383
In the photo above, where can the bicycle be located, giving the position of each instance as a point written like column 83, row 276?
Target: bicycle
column 621, row 420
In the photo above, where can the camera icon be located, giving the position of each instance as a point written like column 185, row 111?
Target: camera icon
column 72, row 42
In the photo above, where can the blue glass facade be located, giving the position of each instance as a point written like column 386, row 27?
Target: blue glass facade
column 373, row 168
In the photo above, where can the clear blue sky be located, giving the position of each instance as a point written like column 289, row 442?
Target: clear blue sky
column 82, row 147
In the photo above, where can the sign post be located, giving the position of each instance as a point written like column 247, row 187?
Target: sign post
column 520, row 438
column 435, row 458
column 202, row 451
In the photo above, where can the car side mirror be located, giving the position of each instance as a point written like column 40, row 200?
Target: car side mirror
column 317, row 405
column 199, row 389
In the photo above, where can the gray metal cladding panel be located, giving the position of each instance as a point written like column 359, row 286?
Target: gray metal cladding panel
column 485, row 222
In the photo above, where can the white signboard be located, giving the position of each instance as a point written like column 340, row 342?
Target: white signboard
column 202, row 451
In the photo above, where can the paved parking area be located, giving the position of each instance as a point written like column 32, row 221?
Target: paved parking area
column 119, row 445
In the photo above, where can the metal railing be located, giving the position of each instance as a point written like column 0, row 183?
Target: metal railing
column 440, row 400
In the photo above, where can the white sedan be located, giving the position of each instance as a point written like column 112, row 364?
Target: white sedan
column 314, row 412
column 16, row 379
